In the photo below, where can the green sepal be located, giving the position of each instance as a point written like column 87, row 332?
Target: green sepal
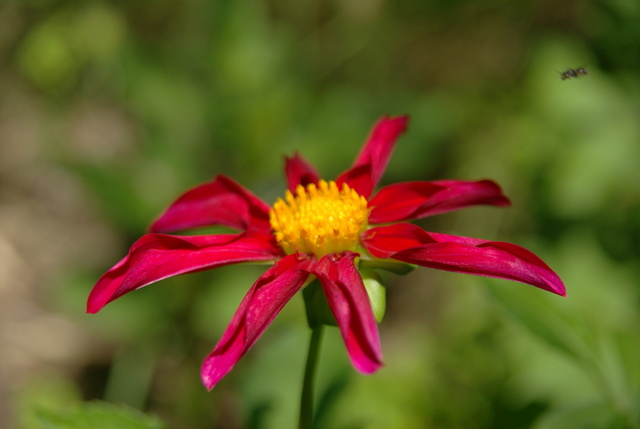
column 376, row 291
column 391, row 265
column 316, row 306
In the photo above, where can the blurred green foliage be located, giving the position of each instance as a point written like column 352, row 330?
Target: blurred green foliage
column 53, row 402
column 140, row 100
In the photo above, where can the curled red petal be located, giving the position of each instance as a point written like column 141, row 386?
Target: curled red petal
column 409, row 243
column 219, row 202
column 158, row 256
column 365, row 173
column 350, row 305
column 415, row 200
column 299, row 172
column 257, row 310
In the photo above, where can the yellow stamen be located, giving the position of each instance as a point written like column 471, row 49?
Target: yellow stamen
column 319, row 219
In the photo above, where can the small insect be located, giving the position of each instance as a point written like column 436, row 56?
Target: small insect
column 574, row 73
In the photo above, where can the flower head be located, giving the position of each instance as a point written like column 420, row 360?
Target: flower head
column 320, row 219
column 319, row 230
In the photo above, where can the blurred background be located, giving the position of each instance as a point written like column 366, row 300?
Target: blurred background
column 110, row 109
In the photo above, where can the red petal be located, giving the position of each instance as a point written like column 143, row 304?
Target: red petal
column 350, row 305
column 257, row 310
column 415, row 200
column 365, row 173
column 384, row 241
column 299, row 172
column 409, row 243
column 219, row 202
column 158, row 256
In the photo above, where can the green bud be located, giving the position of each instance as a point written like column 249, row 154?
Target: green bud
column 376, row 291
column 316, row 306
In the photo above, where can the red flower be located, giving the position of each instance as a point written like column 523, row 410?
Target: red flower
column 320, row 230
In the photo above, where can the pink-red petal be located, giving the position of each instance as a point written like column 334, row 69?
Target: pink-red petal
column 409, row 243
column 219, row 202
column 158, row 256
column 299, row 172
column 350, row 305
column 367, row 170
column 415, row 200
column 257, row 310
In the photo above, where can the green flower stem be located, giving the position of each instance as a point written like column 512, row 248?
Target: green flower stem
column 306, row 399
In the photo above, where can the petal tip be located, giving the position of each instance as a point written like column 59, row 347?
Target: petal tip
column 555, row 285
column 399, row 123
column 503, row 202
column 208, row 374
column 368, row 366
column 208, row 384
column 95, row 303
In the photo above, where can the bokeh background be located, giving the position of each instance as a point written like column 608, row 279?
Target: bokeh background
column 110, row 109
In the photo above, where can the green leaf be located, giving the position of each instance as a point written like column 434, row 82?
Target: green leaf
column 585, row 416
column 539, row 314
column 395, row 267
column 101, row 415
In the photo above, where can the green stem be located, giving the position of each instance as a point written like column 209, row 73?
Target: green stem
column 306, row 399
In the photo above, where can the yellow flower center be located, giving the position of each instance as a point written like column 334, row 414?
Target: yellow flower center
column 319, row 219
